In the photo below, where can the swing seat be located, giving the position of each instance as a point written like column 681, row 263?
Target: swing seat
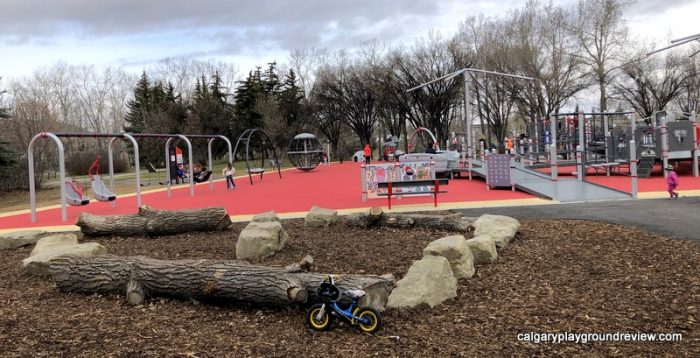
column 256, row 170
column 74, row 193
column 100, row 191
column 202, row 177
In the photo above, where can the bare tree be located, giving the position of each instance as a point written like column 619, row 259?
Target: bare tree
column 542, row 48
column 435, row 105
column 327, row 108
column 306, row 62
column 602, row 34
column 689, row 97
column 183, row 72
column 651, row 83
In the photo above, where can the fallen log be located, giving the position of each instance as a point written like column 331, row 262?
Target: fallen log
column 153, row 222
column 376, row 218
column 141, row 277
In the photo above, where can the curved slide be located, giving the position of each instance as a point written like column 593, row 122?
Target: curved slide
column 100, row 191
column 74, row 193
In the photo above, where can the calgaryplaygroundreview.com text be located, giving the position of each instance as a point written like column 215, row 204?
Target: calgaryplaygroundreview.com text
column 571, row 337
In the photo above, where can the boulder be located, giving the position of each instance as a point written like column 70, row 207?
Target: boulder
column 429, row 281
column 266, row 217
column 57, row 245
column 456, row 251
column 484, row 249
column 501, row 228
column 53, row 241
column 260, row 239
column 320, row 217
column 15, row 239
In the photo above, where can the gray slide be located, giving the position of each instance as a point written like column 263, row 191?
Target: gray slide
column 73, row 193
column 100, row 191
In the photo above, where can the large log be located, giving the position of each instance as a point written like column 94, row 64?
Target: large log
column 373, row 218
column 154, row 222
column 140, row 277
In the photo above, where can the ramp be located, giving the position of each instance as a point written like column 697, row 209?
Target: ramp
column 564, row 190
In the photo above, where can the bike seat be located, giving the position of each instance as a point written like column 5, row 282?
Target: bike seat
column 355, row 294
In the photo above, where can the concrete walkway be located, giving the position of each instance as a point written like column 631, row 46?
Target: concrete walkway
column 673, row 218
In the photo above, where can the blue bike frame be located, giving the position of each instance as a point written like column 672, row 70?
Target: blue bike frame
column 348, row 313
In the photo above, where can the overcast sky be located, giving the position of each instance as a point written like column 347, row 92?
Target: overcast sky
column 133, row 34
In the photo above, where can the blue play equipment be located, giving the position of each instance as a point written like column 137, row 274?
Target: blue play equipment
column 321, row 315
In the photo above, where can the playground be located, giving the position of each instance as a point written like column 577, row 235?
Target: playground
column 336, row 186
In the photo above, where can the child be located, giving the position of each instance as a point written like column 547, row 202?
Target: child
column 672, row 181
column 228, row 172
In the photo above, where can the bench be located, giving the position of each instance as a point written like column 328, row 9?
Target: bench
column 390, row 186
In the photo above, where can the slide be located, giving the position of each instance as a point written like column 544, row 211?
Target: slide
column 100, row 191
column 74, row 193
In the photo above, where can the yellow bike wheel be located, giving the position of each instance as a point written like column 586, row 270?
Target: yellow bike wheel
column 373, row 318
column 317, row 318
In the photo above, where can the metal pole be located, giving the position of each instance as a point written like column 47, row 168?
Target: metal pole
column 468, row 120
column 633, row 167
column 110, row 155
column 189, row 155
column 581, row 148
column 137, row 164
column 664, row 143
column 553, row 146
column 211, row 167
column 606, row 137
column 167, row 166
column 363, row 173
column 579, row 163
column 61, row 169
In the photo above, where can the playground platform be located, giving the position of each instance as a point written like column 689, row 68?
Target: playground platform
column 563, row 189
column 335, row 186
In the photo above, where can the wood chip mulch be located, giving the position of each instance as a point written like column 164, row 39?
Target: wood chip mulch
column 558, row 276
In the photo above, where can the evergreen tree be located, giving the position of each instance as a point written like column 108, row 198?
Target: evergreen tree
column 210, row 109
column 245, row 115
column 290, row 100
column 139, row 107
column 6, row 155
column 271, row 81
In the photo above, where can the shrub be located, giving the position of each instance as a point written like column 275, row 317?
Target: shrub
column 79, row 163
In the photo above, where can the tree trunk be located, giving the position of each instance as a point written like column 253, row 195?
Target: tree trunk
column 154, row 222
column 451, row 222
column 365, row 220
column 140, row 277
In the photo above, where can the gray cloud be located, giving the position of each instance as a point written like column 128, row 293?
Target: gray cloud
column 237, row 25
column 650, row 7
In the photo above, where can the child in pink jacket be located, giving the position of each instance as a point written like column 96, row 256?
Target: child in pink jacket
column 672, row 181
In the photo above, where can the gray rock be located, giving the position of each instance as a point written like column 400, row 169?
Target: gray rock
column 429, row 281
column 57, row 245
column 51, row 241
column 320, row 217
column 501, row 228
column 15, row 239
column 484, row 249
column 266, row 217
column 456, row 251
column 261, row 239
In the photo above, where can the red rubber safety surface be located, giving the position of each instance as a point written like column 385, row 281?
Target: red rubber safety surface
column 336, row 186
